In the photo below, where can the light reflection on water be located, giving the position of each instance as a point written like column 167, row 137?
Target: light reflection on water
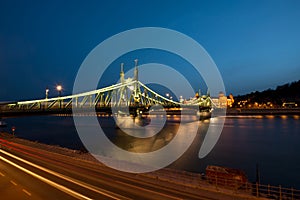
column 271, row 141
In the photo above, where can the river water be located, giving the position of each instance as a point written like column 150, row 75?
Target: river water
column 272, row 142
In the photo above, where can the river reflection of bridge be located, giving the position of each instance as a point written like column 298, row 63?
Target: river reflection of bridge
column 158, row 139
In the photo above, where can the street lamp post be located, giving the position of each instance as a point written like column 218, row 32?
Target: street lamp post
column 47, row 93
column 59, row 89
column 168, row 95
column 13, row 129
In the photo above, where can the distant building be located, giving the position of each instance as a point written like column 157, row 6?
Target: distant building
column 222, row 100
column 230, row 100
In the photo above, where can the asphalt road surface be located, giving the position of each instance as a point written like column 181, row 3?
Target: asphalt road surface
column 31, row 173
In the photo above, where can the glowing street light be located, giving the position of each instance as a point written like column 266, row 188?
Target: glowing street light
column 13, row 129
column 168, row 95
column 47, row 93
column 59, row 89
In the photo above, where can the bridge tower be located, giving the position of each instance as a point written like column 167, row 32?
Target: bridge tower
column 122, row 96
column 136, row 71
column 136, row 84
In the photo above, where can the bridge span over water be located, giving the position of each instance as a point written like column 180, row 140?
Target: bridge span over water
column 128, row 92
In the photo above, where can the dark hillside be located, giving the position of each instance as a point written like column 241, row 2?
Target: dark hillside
column 289, row 92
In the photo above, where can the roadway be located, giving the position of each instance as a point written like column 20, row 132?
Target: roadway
column 15, row 184
column 30, row 173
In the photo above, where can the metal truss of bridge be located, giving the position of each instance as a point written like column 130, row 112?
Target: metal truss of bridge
column 129, row 92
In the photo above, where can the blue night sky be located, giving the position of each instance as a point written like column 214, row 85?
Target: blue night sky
column 255, row 44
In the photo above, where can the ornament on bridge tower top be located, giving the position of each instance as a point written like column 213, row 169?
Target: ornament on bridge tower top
column 136, row 71
column 122, row 73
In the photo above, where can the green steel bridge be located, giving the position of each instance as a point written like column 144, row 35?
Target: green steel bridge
column 129, row 92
